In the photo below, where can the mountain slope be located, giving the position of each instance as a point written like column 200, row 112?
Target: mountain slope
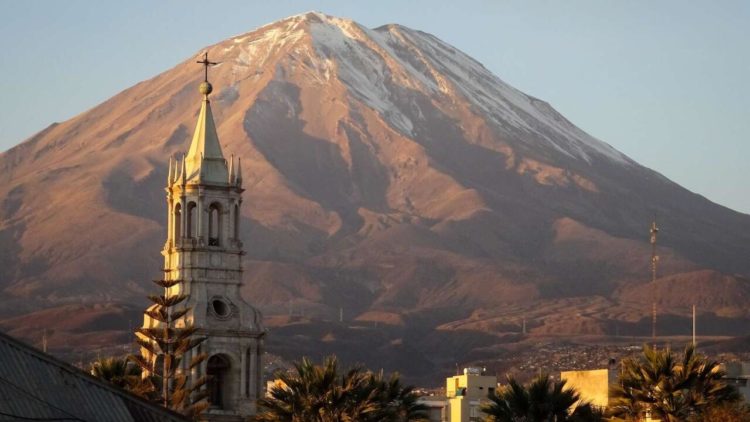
column 387, row 173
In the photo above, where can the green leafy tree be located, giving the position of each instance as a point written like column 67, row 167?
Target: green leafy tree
column 163, row 348
column 669, row 387
column 319, row 393
column 541, row 401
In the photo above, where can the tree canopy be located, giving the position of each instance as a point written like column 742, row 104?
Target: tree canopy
column 541, row 401
column 322, row 393
column 669, row 387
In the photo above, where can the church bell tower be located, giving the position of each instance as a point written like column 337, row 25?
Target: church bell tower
column 204, row 250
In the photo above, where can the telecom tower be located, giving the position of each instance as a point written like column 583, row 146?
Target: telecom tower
column 654, row 263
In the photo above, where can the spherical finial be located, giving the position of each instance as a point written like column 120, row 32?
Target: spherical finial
column 205, row 88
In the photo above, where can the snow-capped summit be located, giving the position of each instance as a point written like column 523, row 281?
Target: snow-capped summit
column 372, row 62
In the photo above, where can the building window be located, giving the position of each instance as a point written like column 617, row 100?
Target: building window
column 177, row 221
column 214, row 224
column 217, row 371
column 192, row 222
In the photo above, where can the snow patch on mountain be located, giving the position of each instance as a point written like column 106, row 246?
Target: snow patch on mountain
column 368, row 61
column 501, row 101
column 360, row 68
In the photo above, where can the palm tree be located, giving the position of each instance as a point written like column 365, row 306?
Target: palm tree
column 542, row 401
column 318, row 393
column 116, row 371
column 669, row 388
column 398, row 403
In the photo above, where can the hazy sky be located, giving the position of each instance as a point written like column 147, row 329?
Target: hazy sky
column 666, row 82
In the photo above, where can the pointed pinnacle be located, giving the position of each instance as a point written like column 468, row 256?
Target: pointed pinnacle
column 183, row 176
column 176, row 172
column 170, row 174
column 239, row 171
column 231, row 169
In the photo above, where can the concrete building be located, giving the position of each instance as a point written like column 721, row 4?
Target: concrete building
column 436, row 408
column 738, row 374
column 592, row 385
column 467, row 393
column 204, row 250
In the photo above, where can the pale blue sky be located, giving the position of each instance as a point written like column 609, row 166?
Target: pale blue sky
column 665, row 82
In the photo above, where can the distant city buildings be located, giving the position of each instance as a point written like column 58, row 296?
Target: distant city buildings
column 738, row 374
column 467, row 393
column 592, row 385
column 436, row 408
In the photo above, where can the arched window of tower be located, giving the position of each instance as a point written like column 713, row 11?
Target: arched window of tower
column 214, row 224
column 218, row 377
column 177, row 221
column 192, row 222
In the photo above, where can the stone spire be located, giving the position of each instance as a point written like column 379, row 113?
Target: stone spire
column 205, row 161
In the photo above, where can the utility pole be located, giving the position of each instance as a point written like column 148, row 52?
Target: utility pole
column 654, row 262
column 694, row 343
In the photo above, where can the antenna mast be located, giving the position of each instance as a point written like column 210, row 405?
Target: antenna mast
column 654, row 262
column 694, row 343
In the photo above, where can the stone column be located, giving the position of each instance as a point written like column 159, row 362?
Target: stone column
column 243, row 371
column 254, row 370
column 183, row 218
column 230, row 224
column 224, row 224
column 199, row 229
column 170, row 221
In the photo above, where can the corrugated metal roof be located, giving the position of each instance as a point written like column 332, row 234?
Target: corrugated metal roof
column 34, row 385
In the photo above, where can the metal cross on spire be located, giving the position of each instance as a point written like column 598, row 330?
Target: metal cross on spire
column 206, row 64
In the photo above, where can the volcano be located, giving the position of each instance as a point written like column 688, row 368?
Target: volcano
column 394, row 186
